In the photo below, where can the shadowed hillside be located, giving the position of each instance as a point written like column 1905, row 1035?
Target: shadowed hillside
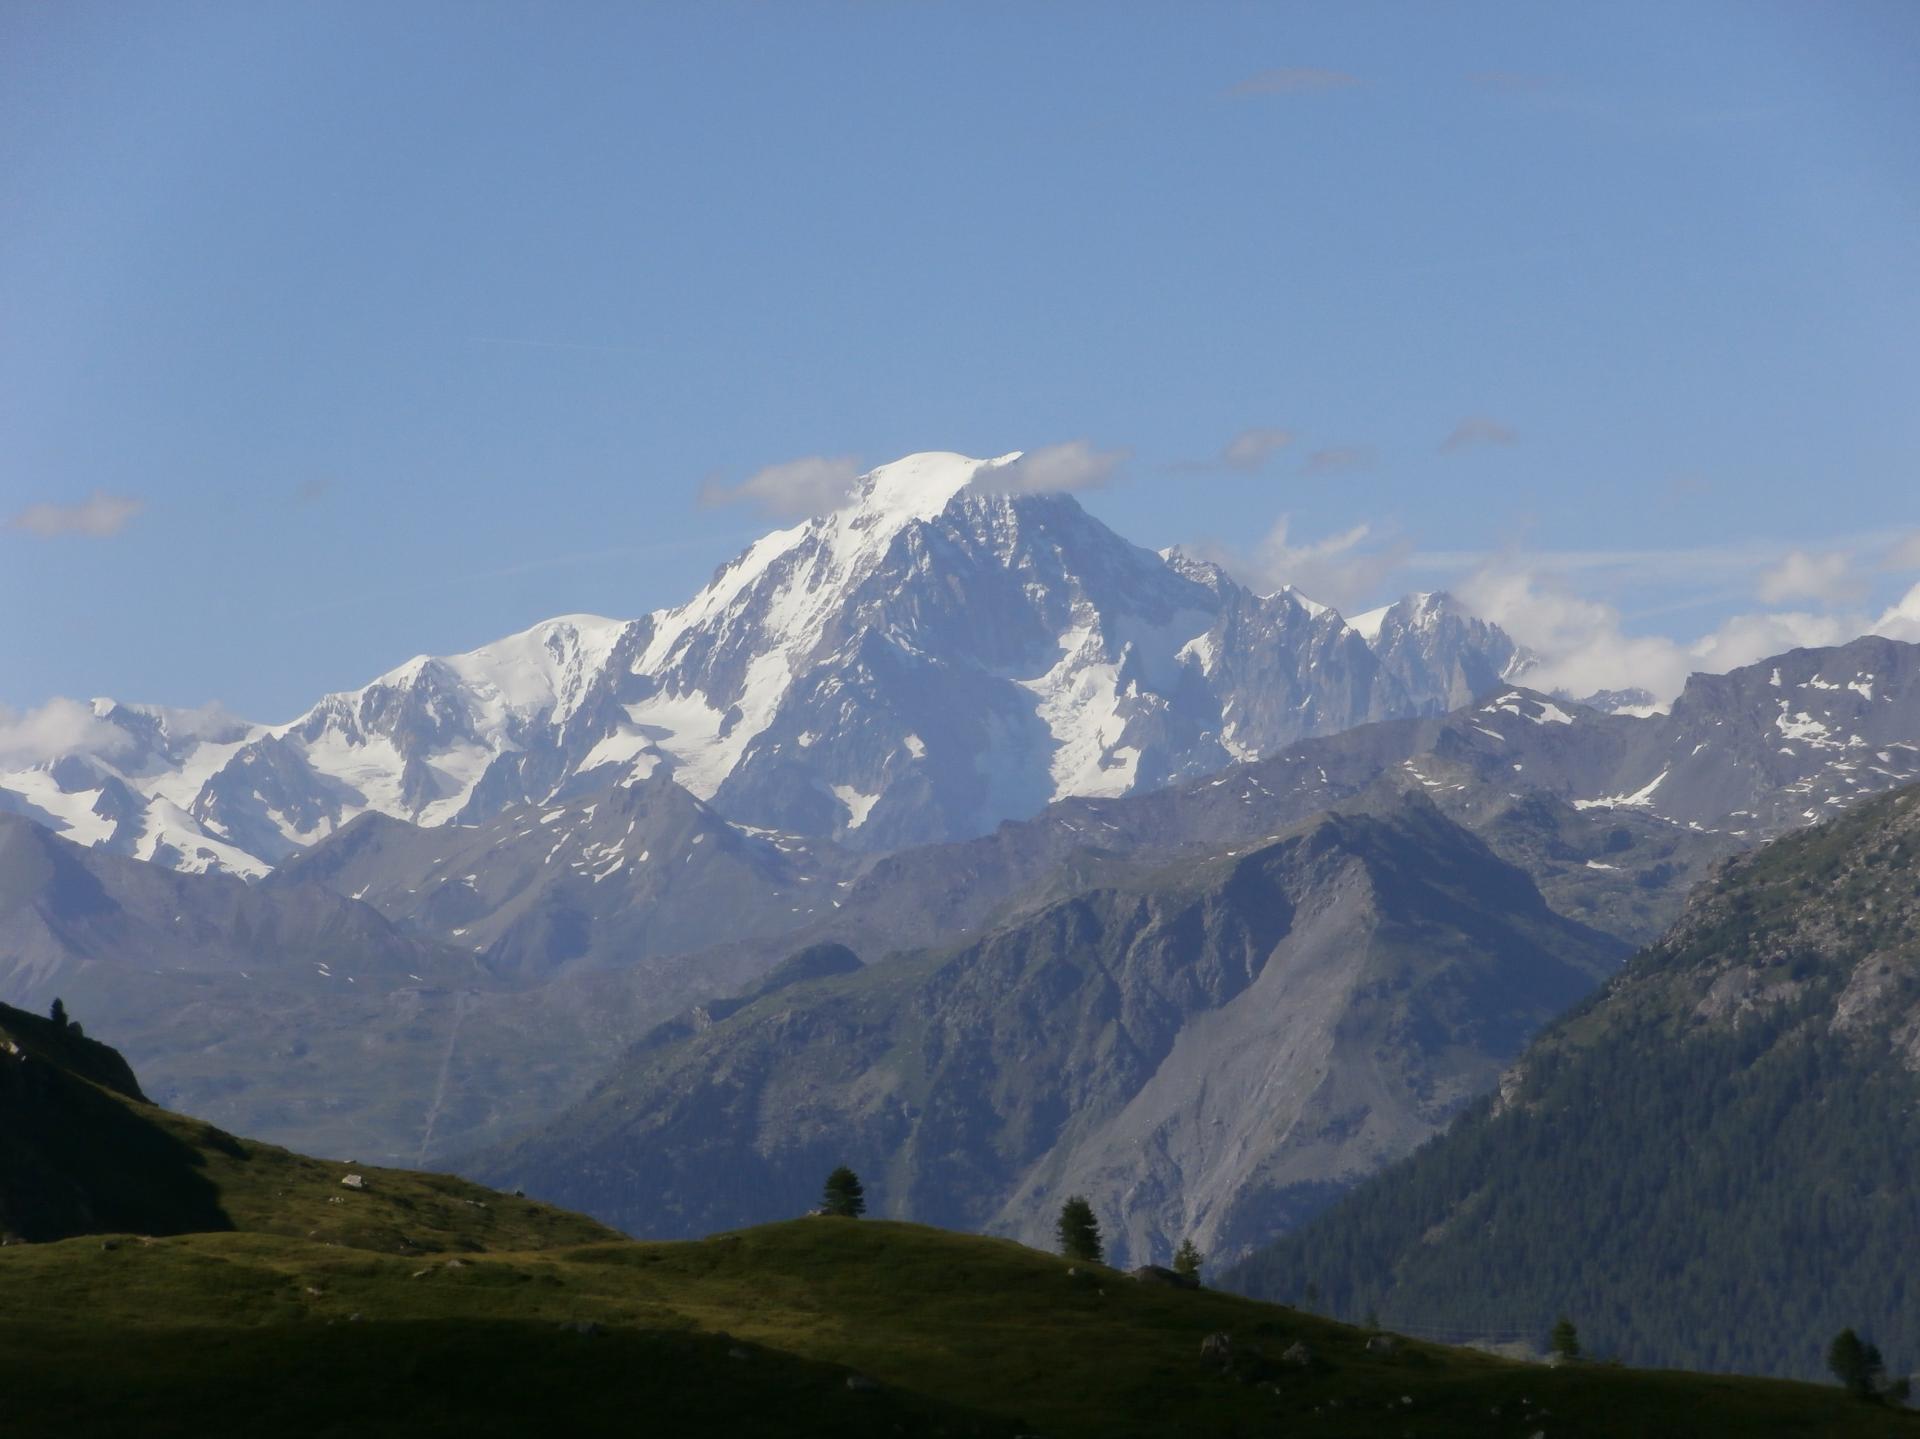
column 419, row 1305
column 1715, row 1162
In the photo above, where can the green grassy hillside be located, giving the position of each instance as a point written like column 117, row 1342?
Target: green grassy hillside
column 422, row 1305
column 758, row 1333
column 81, row 1151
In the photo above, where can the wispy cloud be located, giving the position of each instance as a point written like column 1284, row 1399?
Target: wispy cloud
column 1251, row 449
column 1075, row 465
column 1584, row 641
column 1581, row 643
column 792, row 489
column 1828, row 576
column 1339, row 460
column 1902, row 621
column 58, row 727
column 1347, row 570
column 1295, row 80
column 1735, row 559
column 99, row 514
column 1562, row 604
column 1247, row 452
column 1476, row 431
column 1903, row 553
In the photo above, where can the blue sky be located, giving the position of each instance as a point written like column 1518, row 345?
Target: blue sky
column 338, row 333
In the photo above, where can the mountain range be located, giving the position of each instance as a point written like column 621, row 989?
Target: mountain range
column 952, row 741
column 1207, row 1049
column 549, row 939
column 935, row 657
column 715, row 1119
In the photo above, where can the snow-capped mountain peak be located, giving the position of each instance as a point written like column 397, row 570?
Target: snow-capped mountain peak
column 936, row 655
column 917, row 487
column 545, row 670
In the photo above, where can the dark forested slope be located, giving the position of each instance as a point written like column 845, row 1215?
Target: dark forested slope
column 1714, row 1162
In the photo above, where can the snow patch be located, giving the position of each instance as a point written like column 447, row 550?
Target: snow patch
column 858, row 805
column 1639, row 799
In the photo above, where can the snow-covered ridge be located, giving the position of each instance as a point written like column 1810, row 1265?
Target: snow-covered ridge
column 1367, row 625
column 933, row 657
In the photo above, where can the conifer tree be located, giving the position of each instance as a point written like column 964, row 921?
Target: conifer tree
column 1187, row 1259
column 58, row 1014
column 1855, row 1364
column 1079, row 1230
column 1566, row 1339
column 843, row 1197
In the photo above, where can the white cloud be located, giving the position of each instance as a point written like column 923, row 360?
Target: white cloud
column 210, row 721
column 1549, row 600
column 1903, row 554
column 58, row 727
column 1347, row 570
column 1295, row 80
column 1075, row 465
column 1583, row 645
column 98, row 514
column 1902, row 620
column 1830, row 577
column 1579, row 640
column 794, row 489
column 1746, row 638
column 1476, row 431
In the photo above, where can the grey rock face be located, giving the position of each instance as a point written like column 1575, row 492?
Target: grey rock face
column 636, row 873
column 1435, row 650
column 1205, row 1050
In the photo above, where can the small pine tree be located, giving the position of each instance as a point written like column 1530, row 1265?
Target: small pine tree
column 1857, row 1365
column 1080, row 1231
column 843, row 1197
column 58, row 1014
column 1311, row 1300
column 1187, row 1259
column 1566, row 1339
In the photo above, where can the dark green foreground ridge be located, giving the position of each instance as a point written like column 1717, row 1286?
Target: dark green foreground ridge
column 259, row 1294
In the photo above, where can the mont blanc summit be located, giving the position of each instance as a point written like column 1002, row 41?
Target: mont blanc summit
column 937, row 655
